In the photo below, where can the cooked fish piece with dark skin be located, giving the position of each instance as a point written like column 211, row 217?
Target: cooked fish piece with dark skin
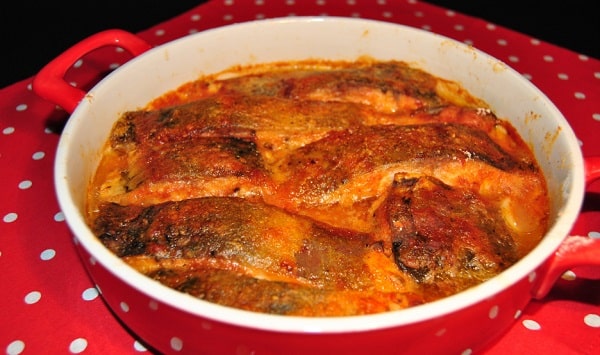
column 446, row 238
column 189, row 243
column 388, row 86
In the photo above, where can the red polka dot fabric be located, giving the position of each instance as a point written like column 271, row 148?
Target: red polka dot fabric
column 49, row 305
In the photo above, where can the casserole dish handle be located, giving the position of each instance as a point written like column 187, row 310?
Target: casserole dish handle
column 580, row 254
column 49, row 83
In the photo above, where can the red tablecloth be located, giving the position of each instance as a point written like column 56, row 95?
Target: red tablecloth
column 50, row 306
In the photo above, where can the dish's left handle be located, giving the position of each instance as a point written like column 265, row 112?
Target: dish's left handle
column 50, row 84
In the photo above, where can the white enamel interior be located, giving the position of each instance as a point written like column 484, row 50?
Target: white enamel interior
column 166, row 67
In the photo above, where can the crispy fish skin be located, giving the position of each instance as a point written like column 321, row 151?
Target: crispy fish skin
column 283, row 298
column 447, row 238
column 263, row 239
column 188, row 244
column 323, row 166
column 212, row 147
column 386, row 86
column 344, row 177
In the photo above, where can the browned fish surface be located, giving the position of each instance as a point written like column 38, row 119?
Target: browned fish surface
column 318, row 189
column 191, row 243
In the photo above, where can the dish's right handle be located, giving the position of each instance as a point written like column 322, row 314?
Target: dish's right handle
column 575, row 252
column 49, row 83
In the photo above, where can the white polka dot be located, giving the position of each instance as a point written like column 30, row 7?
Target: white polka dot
column 47, row 254
column 15, row 347
column 228, row 17
column 518, row 313
column 593, row 320
column 597, row 75
column 535, row 42
column 459, row 27
column 114, row 66
column 195, row 17
column 531, row 324
column 78, row 63
column 78, row 345
column 467, row 352
column 153, row 305
column 584, row 57
column 513, row 59
column 89, row 294
column 38, row 155
column 228, row 2
column 351, row 2
column 176, row 344
column 290, row 2
column 563, row 76
column 159, row 32
column 206, row 325
column 21, row 107
column 119, row 50
column 387, row 14
column 33, row 297
column 419, row 14
column 381, row 2
column 579, row 95
column 493, row 313
column 137, row 346
column 595, row 235
column 527, row 76
column 319, row 2
column 532, row 276
column 8, row 130
column 59, row 217
column 450, row 13
column 548, row 58
column 124, row 306
column 490, row 26
column 569, row 276
column 502, row 42
column 242, row 349
column 25, row 184
column 440, row 332
column 10, row 217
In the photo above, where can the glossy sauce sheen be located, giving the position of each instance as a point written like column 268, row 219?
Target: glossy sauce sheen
column 318, row 188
